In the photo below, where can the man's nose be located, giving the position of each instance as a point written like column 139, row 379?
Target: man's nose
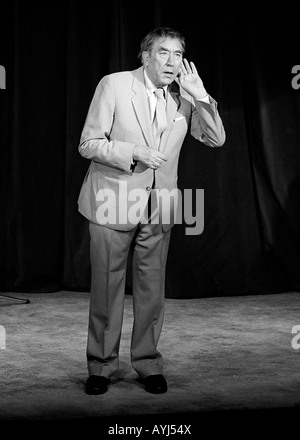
column 170, row 61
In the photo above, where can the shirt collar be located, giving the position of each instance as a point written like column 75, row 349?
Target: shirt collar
column 150, row 87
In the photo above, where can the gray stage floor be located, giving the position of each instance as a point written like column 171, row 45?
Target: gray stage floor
column 225, row 353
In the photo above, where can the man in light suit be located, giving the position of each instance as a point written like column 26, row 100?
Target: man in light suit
column 133, row 135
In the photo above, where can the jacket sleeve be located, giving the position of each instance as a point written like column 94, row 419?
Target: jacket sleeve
column 95, row 142
column 206, row 124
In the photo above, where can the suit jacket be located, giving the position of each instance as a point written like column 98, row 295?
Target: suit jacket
column 119, row 119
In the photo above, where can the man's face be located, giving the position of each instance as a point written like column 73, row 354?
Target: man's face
column 163, row 63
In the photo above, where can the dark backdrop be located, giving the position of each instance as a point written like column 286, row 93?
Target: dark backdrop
column 56, row 52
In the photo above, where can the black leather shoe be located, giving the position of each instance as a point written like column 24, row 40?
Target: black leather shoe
column 97, row 385
column 155, row 384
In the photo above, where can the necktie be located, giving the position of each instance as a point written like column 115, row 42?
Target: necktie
column 160, row 119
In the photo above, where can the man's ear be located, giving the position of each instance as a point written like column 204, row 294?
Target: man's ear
column 145, row 56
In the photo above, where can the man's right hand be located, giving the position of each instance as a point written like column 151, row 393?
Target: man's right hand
column 150, row 157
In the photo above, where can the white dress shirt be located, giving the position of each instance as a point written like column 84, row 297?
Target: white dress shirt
column 152, row 99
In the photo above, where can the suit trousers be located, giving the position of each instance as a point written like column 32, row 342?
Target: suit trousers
column 109, row 250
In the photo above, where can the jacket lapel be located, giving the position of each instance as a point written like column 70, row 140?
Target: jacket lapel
column 141, row 106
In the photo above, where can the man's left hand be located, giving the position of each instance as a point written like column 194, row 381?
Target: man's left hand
column 190, row 81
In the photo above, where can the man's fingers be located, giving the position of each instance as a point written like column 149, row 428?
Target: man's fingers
column 163, row 158
column 187, row 66
column 159, row 156
column 151, row 157
column 158, row 161
column 194, row 70
column 183, row 69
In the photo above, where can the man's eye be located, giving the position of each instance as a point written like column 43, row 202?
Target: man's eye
column 164, row 54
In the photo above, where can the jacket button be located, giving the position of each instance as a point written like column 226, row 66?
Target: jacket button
column 148, row 188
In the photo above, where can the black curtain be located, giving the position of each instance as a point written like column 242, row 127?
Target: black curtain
column 55, row 53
